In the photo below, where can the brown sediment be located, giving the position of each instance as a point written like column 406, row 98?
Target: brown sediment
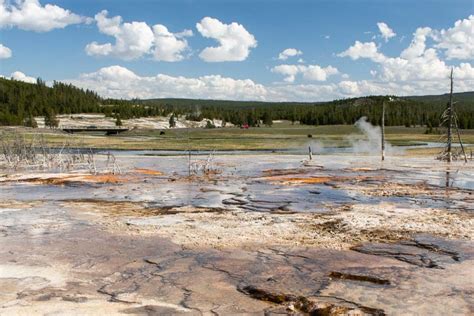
column 284, row 172
column 312, row 305
column 209, row 177
column 358, row 277
column 128, row 208
column 19, row 204
column 397, row 189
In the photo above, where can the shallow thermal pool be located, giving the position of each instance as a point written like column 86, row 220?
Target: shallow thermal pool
column 266, row 181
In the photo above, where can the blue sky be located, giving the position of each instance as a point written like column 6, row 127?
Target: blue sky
column 321, row 30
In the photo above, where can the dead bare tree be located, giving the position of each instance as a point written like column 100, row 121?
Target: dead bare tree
column 189, row 151
column 91, row 162
column 383, row 130
column 450, row 120
column 204, row 166
column 111, row 160
column 18, row 152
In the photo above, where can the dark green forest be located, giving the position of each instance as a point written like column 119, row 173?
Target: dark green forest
column 20, row 102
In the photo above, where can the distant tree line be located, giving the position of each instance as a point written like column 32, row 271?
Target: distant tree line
column 20, row 102
column 400, row 111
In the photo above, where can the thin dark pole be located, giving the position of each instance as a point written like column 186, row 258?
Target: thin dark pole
column 383, row 131
column 450, row 120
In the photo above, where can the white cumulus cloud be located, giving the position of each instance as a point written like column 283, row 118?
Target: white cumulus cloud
column 363, row 50
column 168, row 46
column 416, row 63
column 132, row 40
column 309, row 72
column 418, row 44
column 137, row 39
column 289, row 71
column 96, row 49
column 18, row 75
column 318, row 73
column 458, row 41
column 5, row 52
column 289, row 52
column 234, row 41
column 385, row 31
column 30, row 15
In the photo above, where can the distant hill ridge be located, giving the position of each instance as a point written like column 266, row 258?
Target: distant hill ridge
column 458, row 96
column 467, row 97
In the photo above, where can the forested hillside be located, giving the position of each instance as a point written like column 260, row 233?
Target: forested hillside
column 407, row 111
column 20, row 102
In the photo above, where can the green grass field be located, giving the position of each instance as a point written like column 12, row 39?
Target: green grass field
column 279, row 136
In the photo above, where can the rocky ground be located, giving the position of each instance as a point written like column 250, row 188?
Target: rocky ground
column 260, row 234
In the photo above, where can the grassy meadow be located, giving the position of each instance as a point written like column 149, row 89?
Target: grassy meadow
column 281, row 136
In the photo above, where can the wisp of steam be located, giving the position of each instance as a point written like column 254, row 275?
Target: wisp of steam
column 372, row 141
column 369, row 143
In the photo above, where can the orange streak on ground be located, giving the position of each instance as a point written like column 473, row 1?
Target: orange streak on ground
column 75, row 178
column 317, row 179
column 299, row 180
column 149, row 172
column 102, row 178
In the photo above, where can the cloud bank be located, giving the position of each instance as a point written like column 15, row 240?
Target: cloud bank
column 419, row 63
column 30, row 15
column 120, row 82
column 458, row 41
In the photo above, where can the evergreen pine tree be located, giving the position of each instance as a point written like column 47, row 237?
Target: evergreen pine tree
column 209, row 124
column 30, row 121
column 172, row 121
column 267, row 119
column 118, row 121
column 50, row 118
